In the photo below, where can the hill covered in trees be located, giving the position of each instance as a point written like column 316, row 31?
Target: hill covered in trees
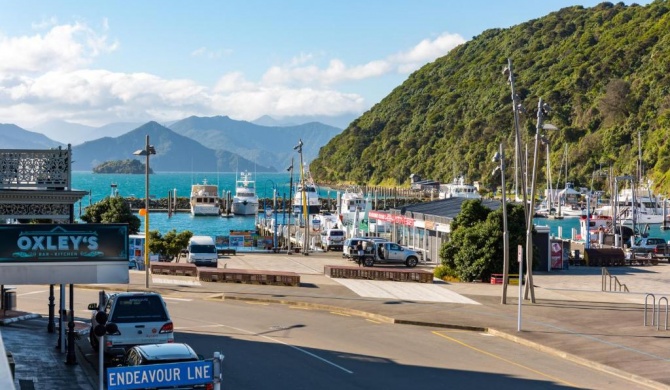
column 605, row 71
column 122, row 166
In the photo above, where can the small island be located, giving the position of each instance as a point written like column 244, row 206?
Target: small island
column 129, row 166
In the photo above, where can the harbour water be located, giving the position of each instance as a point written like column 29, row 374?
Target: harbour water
column 99, row 186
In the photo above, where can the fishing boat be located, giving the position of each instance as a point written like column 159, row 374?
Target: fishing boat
column 204, row 199
column 245, row 201
column 308, row 191
column 458, row 189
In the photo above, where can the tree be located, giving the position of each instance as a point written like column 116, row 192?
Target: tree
column 170, row 245
column 475, row 250
column 112, row 210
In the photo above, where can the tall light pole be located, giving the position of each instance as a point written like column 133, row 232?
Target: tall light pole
column 500, row 156
column 518, row 160
column 542, row 111
column 147, row 151
column 290, row 199
column 298, row 147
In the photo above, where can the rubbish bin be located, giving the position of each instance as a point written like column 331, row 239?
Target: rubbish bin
column 9, row 302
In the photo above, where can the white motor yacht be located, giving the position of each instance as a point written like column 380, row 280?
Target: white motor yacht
column 245, row 201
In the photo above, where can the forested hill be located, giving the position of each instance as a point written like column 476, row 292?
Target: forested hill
column 605, row 71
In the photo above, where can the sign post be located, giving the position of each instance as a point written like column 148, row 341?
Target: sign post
column 520, row 260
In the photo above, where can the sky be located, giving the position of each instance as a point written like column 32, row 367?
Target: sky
column 100, row 62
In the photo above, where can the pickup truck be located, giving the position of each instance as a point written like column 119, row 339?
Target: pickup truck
column 386, row 252
column 649, row 246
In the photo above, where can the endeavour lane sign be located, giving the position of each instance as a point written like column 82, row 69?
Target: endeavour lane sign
column 160, row 375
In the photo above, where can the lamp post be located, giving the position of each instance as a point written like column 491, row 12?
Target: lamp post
column 500, row 156
column 147, row 151
column 542, row 111
column 518, row 160
column 290, row 200
column 298, row 147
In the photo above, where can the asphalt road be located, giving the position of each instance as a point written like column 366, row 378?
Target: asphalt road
column 272, row 346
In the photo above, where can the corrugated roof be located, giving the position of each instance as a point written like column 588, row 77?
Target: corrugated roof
column 447, row 208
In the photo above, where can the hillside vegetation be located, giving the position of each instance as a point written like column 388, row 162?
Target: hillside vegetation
column 605, row 71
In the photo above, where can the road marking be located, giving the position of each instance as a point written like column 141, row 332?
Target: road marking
column 292, row 346
column 404, row 291
column 553, row 378
column 299, row 307
column 340, row 314
column 177, row 299
column 32, row 292
column 256, row 303
column 373, row 321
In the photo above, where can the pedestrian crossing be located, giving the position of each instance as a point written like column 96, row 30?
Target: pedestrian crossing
column 416, row 292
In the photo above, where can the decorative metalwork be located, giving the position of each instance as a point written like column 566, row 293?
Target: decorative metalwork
column 49, row 169
column 34, row 211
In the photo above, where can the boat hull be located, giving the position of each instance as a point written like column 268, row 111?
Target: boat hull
column 204, row 210
column 244, row 208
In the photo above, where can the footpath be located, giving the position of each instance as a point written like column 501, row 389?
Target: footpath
column 571, row 316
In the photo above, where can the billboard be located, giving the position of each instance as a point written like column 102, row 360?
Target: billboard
column 63, row 242
column 64, row 253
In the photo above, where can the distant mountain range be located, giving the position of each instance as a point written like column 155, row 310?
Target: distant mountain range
column 212, row 144
column 75, row 133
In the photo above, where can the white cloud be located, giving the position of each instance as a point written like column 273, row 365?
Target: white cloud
column 67, row 46
column 46, row 76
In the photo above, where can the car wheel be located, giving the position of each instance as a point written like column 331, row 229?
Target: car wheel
column 368, row 262
column 411, row 262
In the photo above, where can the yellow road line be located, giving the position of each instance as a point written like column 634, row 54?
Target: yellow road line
column 299, row 307
column 340, row 314
column 373, row 321
column 503, row 359
column 256, row 303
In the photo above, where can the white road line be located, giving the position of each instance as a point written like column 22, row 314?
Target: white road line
column 177, row 299
column 32, row 292
column 292, row 346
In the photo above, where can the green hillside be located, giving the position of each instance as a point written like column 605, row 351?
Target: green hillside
column 605, row 71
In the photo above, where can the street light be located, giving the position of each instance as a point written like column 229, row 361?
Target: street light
column 290, row 199
column 500, row 157
column 298, row 147
column 147, row 151
column 542, row 110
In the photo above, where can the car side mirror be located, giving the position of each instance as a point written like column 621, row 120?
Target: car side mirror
column 92, row 306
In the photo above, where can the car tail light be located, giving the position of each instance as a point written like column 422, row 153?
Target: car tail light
column 167, row 328
column 209, row 386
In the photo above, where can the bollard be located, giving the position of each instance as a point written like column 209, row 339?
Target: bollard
column 218, row 370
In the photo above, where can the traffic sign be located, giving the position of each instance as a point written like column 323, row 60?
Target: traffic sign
column 160, row 375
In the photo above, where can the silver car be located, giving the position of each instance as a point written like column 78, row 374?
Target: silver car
column 133, row 318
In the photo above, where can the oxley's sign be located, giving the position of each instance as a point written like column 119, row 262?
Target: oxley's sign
column 63, row 242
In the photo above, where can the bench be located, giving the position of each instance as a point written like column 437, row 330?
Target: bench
column 226, row 251
column 228, row 275
column 379, row 273
column 185, row 269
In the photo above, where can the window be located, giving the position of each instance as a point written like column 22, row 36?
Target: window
column 139, row 309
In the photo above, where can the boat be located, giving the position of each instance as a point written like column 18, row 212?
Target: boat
column 569, row 202
column 245, row 201
column 310, row 193
column 458, row 189
column 205, row 199
column 646, row 209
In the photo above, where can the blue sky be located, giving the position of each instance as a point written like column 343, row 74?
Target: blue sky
column 108, row 61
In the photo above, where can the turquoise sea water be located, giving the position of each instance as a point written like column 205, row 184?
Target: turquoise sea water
column 99, row 186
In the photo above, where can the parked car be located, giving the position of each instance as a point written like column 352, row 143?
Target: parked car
column 387, row 252
column 649, row 246
column 135, row 318
column 349, row 248
column 332, row 239
column 143, row 355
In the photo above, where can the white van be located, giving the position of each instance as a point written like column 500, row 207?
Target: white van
column 332, row 239
column 202, row 251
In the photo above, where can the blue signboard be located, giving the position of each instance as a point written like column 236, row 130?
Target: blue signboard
column 160, row 375
column 43, row 243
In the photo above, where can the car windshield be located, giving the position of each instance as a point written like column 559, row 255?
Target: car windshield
column 203, row 249
column 147, row 308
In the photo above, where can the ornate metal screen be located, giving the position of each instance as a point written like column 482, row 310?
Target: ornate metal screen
column 39, row 169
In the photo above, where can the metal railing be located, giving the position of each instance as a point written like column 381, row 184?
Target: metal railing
column 607, row 279
column 656, row 311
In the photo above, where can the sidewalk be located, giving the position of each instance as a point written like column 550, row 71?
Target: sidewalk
column 571, row 318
